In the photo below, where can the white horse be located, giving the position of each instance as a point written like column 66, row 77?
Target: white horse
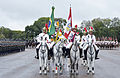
column 74, row 57
column 43, row 57
column 58, row 52
column 90, row 56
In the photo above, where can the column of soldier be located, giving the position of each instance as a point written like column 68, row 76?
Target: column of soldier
column 107, row 43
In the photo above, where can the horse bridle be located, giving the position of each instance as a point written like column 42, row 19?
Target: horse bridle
column 59, row 47
column 75, row 47
column 43, row 51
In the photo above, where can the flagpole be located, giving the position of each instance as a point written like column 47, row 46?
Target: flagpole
column 53, row 3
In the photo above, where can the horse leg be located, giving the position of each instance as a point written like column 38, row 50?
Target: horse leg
column 93, row 67
column 71, row 65
column 82, row 61
column 56, row 66
column 88, row 69
column 45, row 64
column 53, row 63
column 40, row 62
column 77, row 68
column 48, row 61
column 66, row 63
column 72, row 68
column 61, row 64
column 48, row 64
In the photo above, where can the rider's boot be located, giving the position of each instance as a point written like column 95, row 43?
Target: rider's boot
column 96, row 54
column 85, row 55
column 37, row 52
column 81, row 53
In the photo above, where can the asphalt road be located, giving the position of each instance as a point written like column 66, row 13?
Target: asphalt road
column 24, row 65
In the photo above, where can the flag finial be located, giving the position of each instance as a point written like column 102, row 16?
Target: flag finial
column 53, row 7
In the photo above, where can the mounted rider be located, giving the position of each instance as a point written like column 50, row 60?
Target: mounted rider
column 56, row 37
column 90, row 35
column 83, row 43
column 74, row 34
column 42, row 36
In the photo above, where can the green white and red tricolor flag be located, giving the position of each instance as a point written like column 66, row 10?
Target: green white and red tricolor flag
column 68, row 25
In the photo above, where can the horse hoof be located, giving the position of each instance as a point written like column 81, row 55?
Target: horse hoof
column 76, row 72
column 45, row 73
column 48, row 70
column 87, row 73
column 93, row 73
column 72, row 72
column 53, row 70
column 81, row 64
column 60, row 73
column 55, row 73
column 40, row 73
column 68, row 65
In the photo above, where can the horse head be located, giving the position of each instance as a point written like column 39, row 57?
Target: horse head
column 90, row 45
column 60, row 46
column 75, row 44
column 75, row 41
column 43, row 44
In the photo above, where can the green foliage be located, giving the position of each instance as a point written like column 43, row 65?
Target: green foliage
column 18, row 35
column 9, row 34
column 6, row 32
column 33, row 30
column 106, row 27
column 2, row 36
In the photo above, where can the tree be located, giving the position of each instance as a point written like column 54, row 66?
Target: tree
column 33, row 30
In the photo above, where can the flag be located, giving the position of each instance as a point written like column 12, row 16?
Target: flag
column 57, row 32
column 51, row 27
column 69, row 25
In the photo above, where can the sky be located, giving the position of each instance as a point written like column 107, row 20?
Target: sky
column 17, row 14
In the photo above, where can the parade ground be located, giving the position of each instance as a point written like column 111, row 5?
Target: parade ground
column 24, row 65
